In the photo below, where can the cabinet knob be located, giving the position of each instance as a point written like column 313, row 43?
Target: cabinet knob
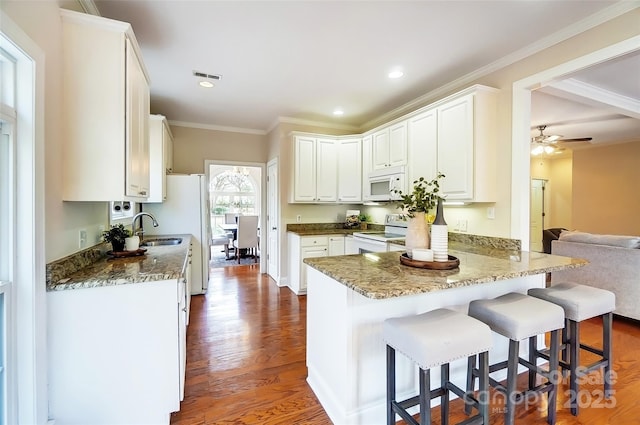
column 143, row 193
column 274, row 228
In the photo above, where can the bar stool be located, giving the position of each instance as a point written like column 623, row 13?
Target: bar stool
column 581, row 302
column 518, row 317
column 432, row 339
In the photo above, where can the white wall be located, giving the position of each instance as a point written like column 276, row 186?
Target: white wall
column 40, row 20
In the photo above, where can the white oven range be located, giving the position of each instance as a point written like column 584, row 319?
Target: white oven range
column 395, row 229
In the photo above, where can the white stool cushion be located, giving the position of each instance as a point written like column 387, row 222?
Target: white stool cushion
column 437, row 337
column 518, row 316
column 580, row 302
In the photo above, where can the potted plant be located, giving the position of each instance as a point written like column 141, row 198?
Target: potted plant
column 364, row 219
column 116, row 236
column 415, row 206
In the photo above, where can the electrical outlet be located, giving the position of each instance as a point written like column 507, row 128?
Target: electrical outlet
column 463, row 225
column 491, row 213
column 82, row 238
column 456, row 227
column 298, row 218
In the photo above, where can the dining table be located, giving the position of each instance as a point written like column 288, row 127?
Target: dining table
column 233, row 228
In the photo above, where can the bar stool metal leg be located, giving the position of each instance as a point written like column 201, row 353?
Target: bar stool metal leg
column 607, row 325
column 391, row 385
column 444, row 400
column 512, row 376
column 425, row 399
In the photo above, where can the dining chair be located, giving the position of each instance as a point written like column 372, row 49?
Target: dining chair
column 230, row 218
column 247, row 236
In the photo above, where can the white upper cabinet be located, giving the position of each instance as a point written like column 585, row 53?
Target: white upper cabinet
column 326, row 170
column 367, row 166
column 350, row 170
column 315, row 173
column 467, row 146
column 160, row 155
column 422, row 134
column 398, row 144
column 137, row 154
column 304, row 169
column 389, row 146
column 106, row 111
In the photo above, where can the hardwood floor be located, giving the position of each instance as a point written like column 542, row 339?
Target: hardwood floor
column 246, row 363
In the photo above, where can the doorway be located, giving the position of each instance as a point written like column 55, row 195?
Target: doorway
column 537, row 214
column 521, row 122
column 234, row 189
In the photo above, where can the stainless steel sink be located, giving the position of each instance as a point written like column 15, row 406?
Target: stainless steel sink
column 161, row 241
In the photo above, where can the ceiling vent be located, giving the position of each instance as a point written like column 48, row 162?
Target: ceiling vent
column 208, row 76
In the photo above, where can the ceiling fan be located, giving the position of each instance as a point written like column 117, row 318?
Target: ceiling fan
column 548, row 143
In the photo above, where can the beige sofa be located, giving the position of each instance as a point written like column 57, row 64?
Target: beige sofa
column 614, row 264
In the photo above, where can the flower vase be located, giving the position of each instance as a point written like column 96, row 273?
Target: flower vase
column 417, row 233
column 440, row 236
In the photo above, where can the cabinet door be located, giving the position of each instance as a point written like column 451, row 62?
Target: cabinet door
column 422, row 139
column 349, row 171
column 157, row 171
column 167, row 154
column 137, row 127
column 326, row 170
column 310, row 252
column 367, row 166
column 304, row 182
column 398, row 144
column 168, row 148
column 455, row 148
column 182, row 335
column 380, row 149
column 336, row 245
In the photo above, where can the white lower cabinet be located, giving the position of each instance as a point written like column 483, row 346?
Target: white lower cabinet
column 336, row 245
column 117, row 353
column 301, row 247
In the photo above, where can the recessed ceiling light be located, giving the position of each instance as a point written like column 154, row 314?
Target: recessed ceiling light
column 338, row 112
column 396, row 74
column 206, row 84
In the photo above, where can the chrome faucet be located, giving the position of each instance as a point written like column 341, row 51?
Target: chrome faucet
column 139, row 232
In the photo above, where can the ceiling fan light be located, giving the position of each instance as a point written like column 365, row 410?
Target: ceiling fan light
column 549, row 150
column 537, row 150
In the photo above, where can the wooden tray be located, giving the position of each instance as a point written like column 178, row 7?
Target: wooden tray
column 120, row 254
column 433, row 265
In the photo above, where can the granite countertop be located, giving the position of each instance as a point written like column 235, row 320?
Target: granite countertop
column 164, row 262
column 381, row 275
column 316, row 229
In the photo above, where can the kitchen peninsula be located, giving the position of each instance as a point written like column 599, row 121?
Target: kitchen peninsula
column 350, row 296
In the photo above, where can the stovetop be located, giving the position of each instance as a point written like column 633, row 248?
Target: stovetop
column 395, row 228
column 379, row 236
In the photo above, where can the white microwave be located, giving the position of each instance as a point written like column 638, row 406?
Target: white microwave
column 381, row 183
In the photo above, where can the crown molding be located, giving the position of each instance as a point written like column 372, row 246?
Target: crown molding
column 217, row 128
column 298, row 121
column 567, row 32
column 593, row 95
column 89, row 7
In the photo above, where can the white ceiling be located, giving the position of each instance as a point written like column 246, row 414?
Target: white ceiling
column 303, row 59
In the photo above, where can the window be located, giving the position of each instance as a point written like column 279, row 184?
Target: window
column 7, row 226
column 231, row 190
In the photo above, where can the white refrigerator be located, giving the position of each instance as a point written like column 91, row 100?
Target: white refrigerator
column 186, row 211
